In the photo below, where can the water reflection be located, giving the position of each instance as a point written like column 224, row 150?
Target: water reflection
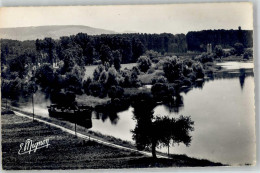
column 174, row 103
column 110, row 111
column 242, row 77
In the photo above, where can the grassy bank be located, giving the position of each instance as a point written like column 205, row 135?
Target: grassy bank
column 68, row 152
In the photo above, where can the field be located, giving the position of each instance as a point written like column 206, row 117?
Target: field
column 69, row 152
column 90, row 69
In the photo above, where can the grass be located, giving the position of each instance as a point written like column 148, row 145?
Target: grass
column 91, row 100
column 90, row 69
column 69, row 152
column 65, row 150
column 146, row 78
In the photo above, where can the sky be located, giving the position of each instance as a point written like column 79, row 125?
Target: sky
column 170, row 18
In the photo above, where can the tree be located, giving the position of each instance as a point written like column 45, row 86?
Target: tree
column 219, row 51
column 144, row 63
column 248, row 53
column 239, row 48
column 153, row 131
column 73, row 83
column 86, row 84
column 106, row 54
column 95, row 88
column 173, row 69
column 115, row 92
column 117, row 59
column 198, row 70
column 137, row 49
column 63, row 98
column 163, row 131
column 44, row 76
column 159, row 91
column 112, row 78
column 97, row 72
column 48, row 45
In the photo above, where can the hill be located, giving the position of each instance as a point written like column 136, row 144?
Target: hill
column 40, row 32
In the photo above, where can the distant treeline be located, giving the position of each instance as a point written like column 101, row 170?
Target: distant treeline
column 91, row 49
column 197, row 41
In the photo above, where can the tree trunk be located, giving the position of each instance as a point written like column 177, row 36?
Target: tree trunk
column 153, row 149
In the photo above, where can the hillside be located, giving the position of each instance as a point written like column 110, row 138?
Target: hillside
column 32, row 33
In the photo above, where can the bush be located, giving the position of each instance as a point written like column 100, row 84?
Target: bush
column 115, row 92
column 152, row 54
column 248, row 53
column 155, row 60
column 239, row 48
column 97, row 72
column 198, row 70
column 187, row 82
column 150, row 71
column 95, row 89
column 232, row 51
column 205, row 57
column 144, row 63
column 218, row 51
column 159, row 79
column 86, row 84
column 159, row 91
column 227, row 54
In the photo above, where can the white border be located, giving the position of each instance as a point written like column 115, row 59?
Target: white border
column 256, row 6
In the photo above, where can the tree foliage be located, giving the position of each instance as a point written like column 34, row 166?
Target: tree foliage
column 144, row 63
column 173, row 69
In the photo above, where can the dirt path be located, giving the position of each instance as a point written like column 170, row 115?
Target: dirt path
column 87, row 137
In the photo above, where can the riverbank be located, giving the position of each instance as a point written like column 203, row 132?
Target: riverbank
column 69, row 152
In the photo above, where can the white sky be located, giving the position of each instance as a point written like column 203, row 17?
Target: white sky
column 174, row 18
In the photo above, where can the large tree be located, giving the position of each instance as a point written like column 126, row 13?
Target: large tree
column 156, row 131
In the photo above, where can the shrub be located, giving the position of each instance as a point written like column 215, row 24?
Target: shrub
column 232, row 51
column 218, row 51
column 86, row 84
column 95, row 88
column 155, row 60
column 135, row 70
column 187, row 82
column 205, row 57
column 239, row 48
column 144, row 63
column 115, row 92
column 159, row 90
column 159, row 79
column 150, row 71
column 248, row 53
column 198, row 70
column 97, row 72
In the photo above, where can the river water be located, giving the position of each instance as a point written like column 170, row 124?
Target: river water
column 222, row 111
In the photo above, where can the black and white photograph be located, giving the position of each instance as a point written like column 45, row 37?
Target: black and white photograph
column 127, row 86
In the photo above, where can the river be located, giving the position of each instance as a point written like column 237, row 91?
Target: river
column 223, row 112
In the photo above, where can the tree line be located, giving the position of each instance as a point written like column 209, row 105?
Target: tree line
column 197, row 41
